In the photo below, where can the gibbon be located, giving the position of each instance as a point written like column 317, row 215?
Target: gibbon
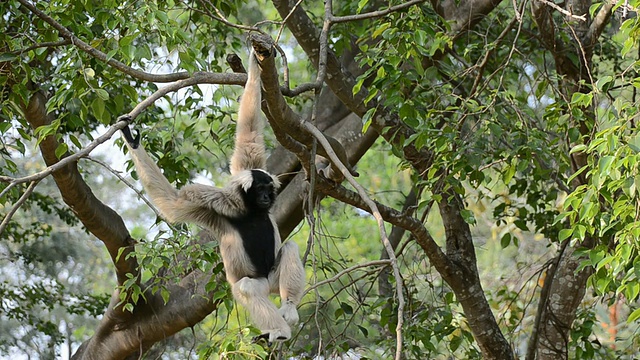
column 238, row 215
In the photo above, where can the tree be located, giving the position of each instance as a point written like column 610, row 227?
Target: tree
column 459, row 91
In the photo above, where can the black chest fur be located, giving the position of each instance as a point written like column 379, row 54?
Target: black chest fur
column 256, row 231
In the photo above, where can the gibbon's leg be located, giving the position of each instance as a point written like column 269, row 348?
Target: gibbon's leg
column 253, row 294
column 288, row 278
column 249, row 152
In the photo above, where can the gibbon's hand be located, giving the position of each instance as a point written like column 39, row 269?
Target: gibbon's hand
column 133, row 141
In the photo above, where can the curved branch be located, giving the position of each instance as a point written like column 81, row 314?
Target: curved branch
column 598, row 24
column 98, row 218
column 381, row 263
column 65, row 33
column 17, row 205
column 41, row 45
column 375, row 14
column 383, row 233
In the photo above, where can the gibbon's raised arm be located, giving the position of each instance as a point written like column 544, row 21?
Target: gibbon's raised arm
column 249, row 150
column 196, row 202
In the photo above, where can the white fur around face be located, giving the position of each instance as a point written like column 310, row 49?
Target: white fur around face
column 276, row 182
column 245, row 179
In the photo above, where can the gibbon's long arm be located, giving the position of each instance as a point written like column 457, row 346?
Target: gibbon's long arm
column 249, row 150
column 199, row 203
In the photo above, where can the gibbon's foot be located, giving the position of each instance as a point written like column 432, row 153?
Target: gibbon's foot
column 289, row 313
column 125, row 117
column 133, row 141
column 275, row 335
column 263, row 338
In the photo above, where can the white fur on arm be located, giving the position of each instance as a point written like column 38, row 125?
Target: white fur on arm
column 173, row 207
column 249, row 152
column 212, row 200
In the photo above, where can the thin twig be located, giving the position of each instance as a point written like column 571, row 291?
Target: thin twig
column 337, row 276
column 220, row 17
column 375, row 14
column 376, row 214
column 71, row 158
column 17, row 205
column 284, row 21
column 126, row 182
column 65, row 33
column 41, row 45
column 563, row 11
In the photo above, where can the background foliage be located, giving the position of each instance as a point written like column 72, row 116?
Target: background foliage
column 501, row 122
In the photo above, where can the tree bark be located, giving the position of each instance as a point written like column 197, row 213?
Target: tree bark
column 459, row 272
column 564, row 287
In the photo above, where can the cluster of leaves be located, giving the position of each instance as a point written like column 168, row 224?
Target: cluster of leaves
column 25, row 306
column 607, row 207
column 166, row 259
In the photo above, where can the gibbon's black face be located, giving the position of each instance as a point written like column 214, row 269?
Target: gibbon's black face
column 262, row 193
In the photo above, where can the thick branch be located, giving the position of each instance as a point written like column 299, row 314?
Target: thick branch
column 464, row 15
column 99, row 219
column 284, row 117
column 394, row 131
column 598, row 24
column 152, row 321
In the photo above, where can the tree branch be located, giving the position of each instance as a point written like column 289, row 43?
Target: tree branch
column 383, row 233
column 463, row 15
column 375, row 14
column 41, row 45
column 65, row 33
column 99, row 219
column 17, row 205
column 598, row 24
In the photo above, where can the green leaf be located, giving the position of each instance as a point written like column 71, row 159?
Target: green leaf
column 61, row 150
column 510, row 171
column 165, row 294
column 358, row 85
column 162, row 16
column 371, row 95
column 604, row 164
column 346, row 308
column 581, row 99
column 380, row 29
column 4, row 126
column 632, row 290
column 367, row 119
column 102, row 94
column 363, row 330
column 505, row 240
column 595, row 256
column 75, row 141
column 604, row 82
column 5, row 57
column 633, row 316
column 468, row 217
column 98, row 107
column 564, row 234
column 361, row 5
column 578, row 148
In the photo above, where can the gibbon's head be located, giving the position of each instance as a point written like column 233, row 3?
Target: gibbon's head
column 258, row 188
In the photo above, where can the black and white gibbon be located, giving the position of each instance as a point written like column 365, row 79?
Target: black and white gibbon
column 256, row 262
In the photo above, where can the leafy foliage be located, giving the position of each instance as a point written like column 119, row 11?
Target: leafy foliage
column 501, row 126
